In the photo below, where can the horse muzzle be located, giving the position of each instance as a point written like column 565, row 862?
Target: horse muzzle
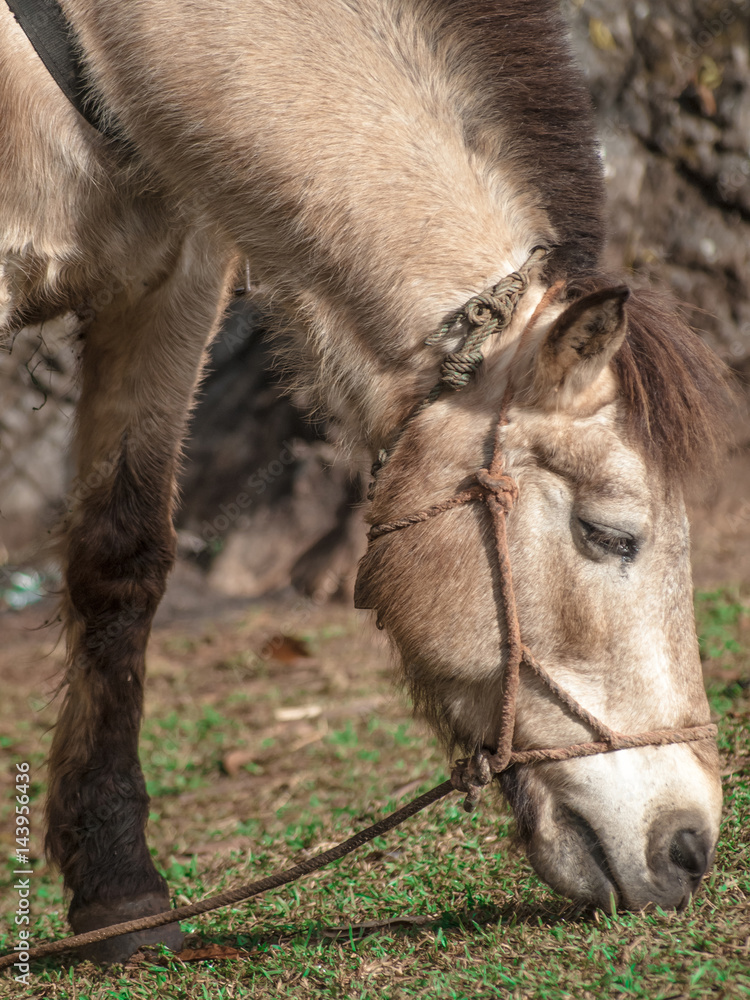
column 598, row 834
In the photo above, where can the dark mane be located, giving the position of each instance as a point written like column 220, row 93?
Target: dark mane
column 534, row 96
column 677, row 394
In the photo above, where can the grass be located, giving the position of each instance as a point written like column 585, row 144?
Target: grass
column 446, row 907
column 722, row 620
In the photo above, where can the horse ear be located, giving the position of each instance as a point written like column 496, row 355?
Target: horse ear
column 581, row 342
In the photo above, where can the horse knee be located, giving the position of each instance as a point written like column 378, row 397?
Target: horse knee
column 120, row 549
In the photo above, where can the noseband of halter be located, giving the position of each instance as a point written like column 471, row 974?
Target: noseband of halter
column 498, row 491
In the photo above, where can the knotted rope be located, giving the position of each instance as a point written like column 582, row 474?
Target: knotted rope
column 486, row 314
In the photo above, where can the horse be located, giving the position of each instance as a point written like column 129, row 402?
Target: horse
column 380, row 163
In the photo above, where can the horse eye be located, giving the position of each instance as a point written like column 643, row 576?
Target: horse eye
column 609, row 540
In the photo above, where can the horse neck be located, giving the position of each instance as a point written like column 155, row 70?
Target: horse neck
column 369, row 249
column 390, row 257
column 370, row 292
column 365, row 180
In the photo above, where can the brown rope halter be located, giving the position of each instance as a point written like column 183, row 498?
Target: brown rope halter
column 499, row 492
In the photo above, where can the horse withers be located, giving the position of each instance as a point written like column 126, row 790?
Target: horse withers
column 378, row 162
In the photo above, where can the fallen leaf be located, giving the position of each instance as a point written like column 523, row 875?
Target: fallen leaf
column 709, row 75
column 234, row 760
column 601, row 36
column 707, row 100
column 284, row 648
column 374, row 856
column 137, row 958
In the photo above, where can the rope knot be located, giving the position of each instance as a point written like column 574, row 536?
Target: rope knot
column 487, row 308
column 471, row 775
column 503, row 489
column 485, row 314
column 458, row 367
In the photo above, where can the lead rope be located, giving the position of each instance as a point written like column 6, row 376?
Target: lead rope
column 242, row 892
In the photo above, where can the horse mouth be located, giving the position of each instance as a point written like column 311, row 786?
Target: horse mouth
column 608, row 869
column 610, row 894
column 515, row 787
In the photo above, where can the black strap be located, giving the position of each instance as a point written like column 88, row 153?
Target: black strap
column 57, row 47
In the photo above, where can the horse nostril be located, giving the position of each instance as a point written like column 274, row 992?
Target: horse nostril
column 679, row 852
column 689, row 851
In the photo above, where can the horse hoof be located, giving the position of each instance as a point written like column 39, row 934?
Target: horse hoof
column 119, row 949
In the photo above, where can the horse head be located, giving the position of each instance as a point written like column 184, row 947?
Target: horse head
column 608, row 402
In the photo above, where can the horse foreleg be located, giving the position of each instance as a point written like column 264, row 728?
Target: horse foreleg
column 141, row 359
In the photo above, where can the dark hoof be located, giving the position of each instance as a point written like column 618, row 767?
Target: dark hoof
column 119, row 949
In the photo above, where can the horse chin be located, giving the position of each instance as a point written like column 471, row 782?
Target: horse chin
column 636, row 856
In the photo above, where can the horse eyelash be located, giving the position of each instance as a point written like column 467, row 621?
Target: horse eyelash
column 612, row 542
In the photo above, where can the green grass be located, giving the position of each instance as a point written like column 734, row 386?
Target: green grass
column 720, row 616
column 179, row 752
column 723, row 623
column 445, row 907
